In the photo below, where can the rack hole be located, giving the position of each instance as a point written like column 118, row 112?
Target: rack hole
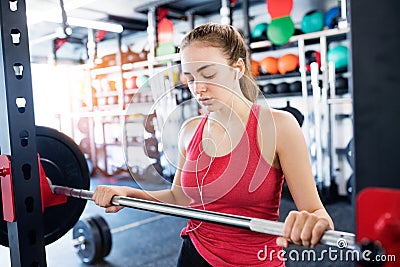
column 32, row 237
column 16, row 36
column 29, row 204
column 18, row 69
column 23, row 136
column 13, row 5
column 26, row 170
column 21, row 103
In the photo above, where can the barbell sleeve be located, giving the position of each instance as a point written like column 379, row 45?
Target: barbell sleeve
column 330, row 237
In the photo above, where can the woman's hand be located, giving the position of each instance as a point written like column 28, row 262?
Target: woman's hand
column 103, row 195
column 303, row 228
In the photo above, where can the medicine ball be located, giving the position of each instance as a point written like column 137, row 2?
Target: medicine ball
column 312, row 21
column 255, row 68
column 142, row 81
column 339, row 55
column 269, row 88
column 332, row 17
column 295, row 87
column 269, row 65
column 259, row 32
column 312, row 56
column 280, row 30
column 288, row 63
column 282, row 87
column 130, row 83
column 341, row 85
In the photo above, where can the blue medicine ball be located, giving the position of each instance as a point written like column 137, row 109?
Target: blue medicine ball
column 332, row 17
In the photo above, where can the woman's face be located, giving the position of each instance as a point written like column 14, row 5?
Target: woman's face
column 209, row 76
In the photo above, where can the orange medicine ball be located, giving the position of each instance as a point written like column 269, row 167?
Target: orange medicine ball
column 288, row 63
column 255, row 68
column 269, row 65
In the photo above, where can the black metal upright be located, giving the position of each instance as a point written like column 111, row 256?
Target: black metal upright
column 375, row 42
column 17, row 138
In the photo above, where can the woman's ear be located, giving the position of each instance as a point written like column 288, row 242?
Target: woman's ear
column 239, row 68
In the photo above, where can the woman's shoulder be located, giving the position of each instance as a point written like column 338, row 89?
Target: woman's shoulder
column 275, row 115
column 191, row 124
column 188, row 129
column 280, row 120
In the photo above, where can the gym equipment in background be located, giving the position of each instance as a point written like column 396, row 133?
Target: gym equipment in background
column 269, row 65
column 288, row 63
column 312, row 56
column 281, row 27
column 332, row 17
column 295, row 112
column 255, row 68
column 259, row 32
column 339, row 55
column 312, row 21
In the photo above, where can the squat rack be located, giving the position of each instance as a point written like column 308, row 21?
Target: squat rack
column 17, row 140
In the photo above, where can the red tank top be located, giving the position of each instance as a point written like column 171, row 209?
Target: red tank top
column 240, row 183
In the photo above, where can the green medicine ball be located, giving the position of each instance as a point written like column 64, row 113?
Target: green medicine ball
column 313, row 21
column 280, row 30
column 339, row 55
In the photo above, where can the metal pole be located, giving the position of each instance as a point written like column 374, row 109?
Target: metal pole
column 18, row 138
column 330, row 238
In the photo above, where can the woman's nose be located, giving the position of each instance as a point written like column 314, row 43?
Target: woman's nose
column 199, row 87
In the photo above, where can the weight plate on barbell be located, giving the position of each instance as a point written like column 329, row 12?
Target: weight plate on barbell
column 87, row 240
column 105, row 231
column 64, row 164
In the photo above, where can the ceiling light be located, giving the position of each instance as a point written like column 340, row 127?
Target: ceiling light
column 97, row 25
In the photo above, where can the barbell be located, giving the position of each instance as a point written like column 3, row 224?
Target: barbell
column 330, row 237
column 62, row 160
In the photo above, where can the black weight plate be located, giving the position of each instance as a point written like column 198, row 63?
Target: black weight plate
column 89, row 251
column 105, row 231
column 64, row 164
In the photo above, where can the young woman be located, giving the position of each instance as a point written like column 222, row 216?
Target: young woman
column 233, row 160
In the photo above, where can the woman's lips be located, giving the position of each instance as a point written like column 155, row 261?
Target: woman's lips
column 205, row 101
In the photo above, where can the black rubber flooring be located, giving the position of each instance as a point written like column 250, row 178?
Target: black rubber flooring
column 153, row 239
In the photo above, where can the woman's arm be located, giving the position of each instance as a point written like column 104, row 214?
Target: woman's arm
column 307, row 225
column 175, row 195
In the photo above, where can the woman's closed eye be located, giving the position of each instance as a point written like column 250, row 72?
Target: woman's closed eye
column 211, row 76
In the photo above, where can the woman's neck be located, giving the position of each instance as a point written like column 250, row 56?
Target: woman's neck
column 236, row 112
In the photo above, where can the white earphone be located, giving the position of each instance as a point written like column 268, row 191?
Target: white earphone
column 237, row 72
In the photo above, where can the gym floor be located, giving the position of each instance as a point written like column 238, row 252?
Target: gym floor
column 151, row 239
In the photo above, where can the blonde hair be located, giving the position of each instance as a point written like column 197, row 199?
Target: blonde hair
column 233, row 46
